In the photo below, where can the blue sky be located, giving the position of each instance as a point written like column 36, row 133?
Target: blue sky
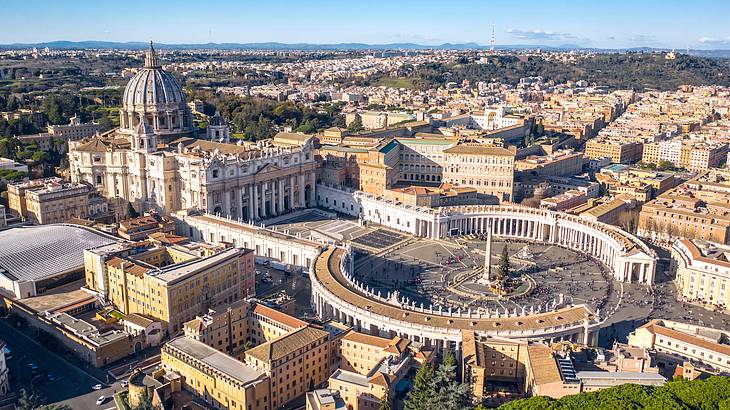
column 606, row 24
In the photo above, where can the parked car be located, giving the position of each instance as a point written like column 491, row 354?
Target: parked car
column 96, row 387
column 100, row 400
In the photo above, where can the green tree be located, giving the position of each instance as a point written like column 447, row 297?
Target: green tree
column 422, row 389
column 145, row 403
column 356, row 125
column 503, row 270
column 26, row 401
column 448, row 392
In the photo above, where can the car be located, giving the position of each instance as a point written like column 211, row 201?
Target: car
column 124, row 383
column 96, row 387
column 33, row 366
column 51, row 377
column 100, row 400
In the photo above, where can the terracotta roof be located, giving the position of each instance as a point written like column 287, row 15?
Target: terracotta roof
column 287, row 344
column 129, row 267
column 278, row 316
column 366, row 339
column 139, row 320
column 93, row 145
column 141, row 221
column 195, row 324
column 479, row 150
column 544, row 367
column 167, row 238
column 397, row 345
column 657, row 328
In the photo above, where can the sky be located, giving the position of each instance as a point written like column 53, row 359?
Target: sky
column 588, row 23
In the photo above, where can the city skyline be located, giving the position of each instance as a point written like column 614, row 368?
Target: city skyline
column 562, row 24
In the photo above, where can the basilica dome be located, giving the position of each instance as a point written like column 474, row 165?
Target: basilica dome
column 154, row 96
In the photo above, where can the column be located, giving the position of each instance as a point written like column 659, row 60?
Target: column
column 226, row 203
column 262, row 203
column 281, row 195
column 239, row 205
column 302, row 204
column 255, row 201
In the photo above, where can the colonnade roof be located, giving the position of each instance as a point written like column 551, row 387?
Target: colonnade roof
column 327, row 272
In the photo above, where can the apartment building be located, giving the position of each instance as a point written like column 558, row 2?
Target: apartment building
column 696, row 209
column 371, row 367
column 676, row 342
column 50, row 200
column 693, row 153
column 620, row 152
column 702, row 272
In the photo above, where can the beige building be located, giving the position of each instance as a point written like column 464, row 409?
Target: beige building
column 676, row 342
column 697, row 209
column 702, row 272
column 174, row 284
column 561, row 163
column 371, row 367
column 217, row 378
column 620, row 152
column 295, row 362
column 493, row 367
column 47, row 201
column 490, row 170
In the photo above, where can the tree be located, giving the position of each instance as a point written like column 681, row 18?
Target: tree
column 503, row 270
column 356, row 125
column 385, row 401
column 422, row 389
column 26, row 401
column 448, row 392
column 145, row 403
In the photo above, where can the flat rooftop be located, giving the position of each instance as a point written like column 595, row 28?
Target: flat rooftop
column 220, row 361
column 32, row 253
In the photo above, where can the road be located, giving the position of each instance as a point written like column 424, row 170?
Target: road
column 72, row 385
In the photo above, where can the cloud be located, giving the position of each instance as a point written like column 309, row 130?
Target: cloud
column 540, row 35
column 712, row 41
column 643, row 39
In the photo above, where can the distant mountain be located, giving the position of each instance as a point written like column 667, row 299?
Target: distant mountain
column 140, row 45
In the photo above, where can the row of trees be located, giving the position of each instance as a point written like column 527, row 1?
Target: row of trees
column 713, row 393
column 628, row 70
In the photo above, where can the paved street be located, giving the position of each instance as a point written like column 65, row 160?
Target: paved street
column 68, row 382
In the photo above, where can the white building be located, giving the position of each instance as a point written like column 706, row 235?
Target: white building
column 152, row 163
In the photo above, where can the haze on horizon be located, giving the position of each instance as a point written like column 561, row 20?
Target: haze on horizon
column 620, row 24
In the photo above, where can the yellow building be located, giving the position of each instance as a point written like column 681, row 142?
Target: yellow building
column 494, row 368
column 371, row 366
column 702, row 272
column 295, row 362
column 173, row 284
column 620, row 152
column 217, row 378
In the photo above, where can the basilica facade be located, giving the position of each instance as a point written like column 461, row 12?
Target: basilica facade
column 154, row 162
